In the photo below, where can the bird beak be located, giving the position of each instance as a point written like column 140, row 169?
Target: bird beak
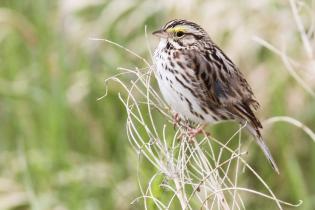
column 160, row 33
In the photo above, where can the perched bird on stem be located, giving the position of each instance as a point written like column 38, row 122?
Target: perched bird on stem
column 202, row 84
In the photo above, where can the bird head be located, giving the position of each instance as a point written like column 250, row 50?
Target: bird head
column 182, row 33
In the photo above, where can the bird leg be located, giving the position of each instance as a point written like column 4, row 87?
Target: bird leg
column 176, row 119
column 193, row 132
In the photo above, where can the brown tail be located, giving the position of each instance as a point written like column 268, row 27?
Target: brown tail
column 242, row 112
column 263, row 146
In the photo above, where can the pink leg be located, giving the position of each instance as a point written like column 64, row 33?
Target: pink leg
column 176, row 119
column 193, row 132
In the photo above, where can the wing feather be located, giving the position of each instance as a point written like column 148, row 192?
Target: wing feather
column 222, row 85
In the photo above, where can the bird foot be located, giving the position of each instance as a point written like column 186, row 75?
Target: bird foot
column 193, row 132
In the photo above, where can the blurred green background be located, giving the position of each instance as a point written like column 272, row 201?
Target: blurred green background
column 62, row 149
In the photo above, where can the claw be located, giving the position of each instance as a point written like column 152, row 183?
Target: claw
column 193, row 132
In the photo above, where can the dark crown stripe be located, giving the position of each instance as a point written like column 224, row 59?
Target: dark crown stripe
column 176, row 22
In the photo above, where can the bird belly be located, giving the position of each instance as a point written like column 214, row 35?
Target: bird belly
column 178, row 98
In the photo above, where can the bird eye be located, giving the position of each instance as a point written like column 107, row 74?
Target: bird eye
column 179, row 33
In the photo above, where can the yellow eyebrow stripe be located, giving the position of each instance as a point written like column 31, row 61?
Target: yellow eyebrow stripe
column 175, row 30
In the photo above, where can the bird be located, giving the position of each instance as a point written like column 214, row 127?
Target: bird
column 201, row 83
